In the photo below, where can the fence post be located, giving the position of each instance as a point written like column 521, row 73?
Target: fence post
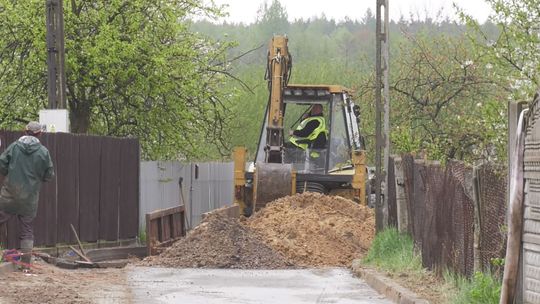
column 514, row 109
column 401, row 197
column 515, row 218
column 477, row 248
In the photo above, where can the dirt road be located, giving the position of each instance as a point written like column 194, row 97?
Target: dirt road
column 224, row 286
column 136, row 284
column 49, row 284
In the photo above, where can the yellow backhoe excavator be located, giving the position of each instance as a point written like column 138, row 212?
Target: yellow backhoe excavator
column 286, row 162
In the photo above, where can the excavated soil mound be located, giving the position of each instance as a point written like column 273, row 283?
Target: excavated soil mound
column 312, row 229
column 219, row 242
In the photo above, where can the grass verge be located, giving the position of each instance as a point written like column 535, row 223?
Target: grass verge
column 394, row 254
column 482, row 288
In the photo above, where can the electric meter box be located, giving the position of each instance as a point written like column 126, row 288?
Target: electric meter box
column 55, row 120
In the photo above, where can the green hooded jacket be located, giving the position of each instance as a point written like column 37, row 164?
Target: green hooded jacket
column 26, row 163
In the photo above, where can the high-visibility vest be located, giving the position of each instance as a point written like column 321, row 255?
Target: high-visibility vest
column 312, row 136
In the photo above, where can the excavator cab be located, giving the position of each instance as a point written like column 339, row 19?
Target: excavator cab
column 341, row 129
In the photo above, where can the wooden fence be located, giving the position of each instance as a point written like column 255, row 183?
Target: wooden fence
column 96, row 189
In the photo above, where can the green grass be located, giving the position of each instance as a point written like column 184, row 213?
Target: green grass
column 393, row 252
column 142, row 235
column 482, row 288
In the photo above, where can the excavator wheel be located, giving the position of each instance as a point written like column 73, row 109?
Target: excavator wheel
column 302, row 187
column 271, row 182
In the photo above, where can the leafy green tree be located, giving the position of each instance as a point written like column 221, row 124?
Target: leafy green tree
column 446, row 101
column 133, row 68
column 513, row 50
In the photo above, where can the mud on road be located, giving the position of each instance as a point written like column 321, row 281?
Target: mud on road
column 50, row 284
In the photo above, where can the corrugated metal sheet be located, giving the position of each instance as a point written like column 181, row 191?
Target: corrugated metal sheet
column 531, row 231
column 206, row 186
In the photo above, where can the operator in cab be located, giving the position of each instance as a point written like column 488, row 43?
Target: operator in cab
column 311, row 133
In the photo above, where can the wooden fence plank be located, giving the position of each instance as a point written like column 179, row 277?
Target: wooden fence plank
column 163, row 227
column 67, row 170
column 89, row 187
column 110, row 177
column 177, row 225
column 129, row 189
column 45, row 224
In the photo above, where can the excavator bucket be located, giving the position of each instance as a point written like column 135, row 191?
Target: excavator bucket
column 271, row 182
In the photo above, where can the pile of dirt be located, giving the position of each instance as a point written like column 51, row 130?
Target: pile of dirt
column 312, row 229
column 219, row 242
column 304, row 230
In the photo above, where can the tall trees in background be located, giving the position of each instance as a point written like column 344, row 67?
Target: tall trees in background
column 272, row 19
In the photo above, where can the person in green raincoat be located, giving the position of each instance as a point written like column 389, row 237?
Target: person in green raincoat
column 25, row 164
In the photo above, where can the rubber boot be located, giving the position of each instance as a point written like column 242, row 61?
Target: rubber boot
column 26, row 250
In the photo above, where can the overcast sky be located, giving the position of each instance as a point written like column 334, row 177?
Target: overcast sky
column 246, row 10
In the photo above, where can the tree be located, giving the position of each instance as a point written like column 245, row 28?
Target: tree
column 514, row 51
column 447, row 101
column 444, row 100
column 133, row 68
column 272, row 19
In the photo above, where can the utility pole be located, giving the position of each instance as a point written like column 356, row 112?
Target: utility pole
column 382, row 100
column 56, row 82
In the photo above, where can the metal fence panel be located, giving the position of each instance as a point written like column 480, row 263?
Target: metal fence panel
column 205, row 187
column 531, row 230
column 159, row 188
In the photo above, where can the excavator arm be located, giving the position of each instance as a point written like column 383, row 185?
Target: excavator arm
column 277, row 75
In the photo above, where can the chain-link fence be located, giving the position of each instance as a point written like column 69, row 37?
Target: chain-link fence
column 492, row 200
column 440, row 202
